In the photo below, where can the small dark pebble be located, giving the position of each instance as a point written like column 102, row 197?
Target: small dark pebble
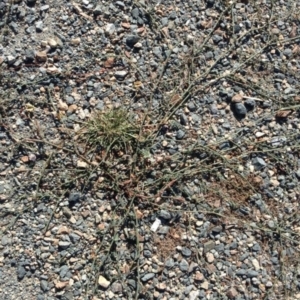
column 186, row 252
column 239, row 110
column 21, row 272
column 147, row 277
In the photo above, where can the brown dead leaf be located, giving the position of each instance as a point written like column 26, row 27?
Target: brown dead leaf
column 282, row 114
column 175, row 98
column 293, row 32
column 296, row 49
column 165, row 31
column 109, row 63
column 60, row 284
column 125, row 269
column 297, row 98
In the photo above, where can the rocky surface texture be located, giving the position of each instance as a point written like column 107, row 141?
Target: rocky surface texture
column 149, row 149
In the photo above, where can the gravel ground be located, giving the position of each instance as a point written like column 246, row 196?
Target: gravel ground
column 149, row 149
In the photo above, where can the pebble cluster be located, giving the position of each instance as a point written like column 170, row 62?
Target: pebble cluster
column 218, row 83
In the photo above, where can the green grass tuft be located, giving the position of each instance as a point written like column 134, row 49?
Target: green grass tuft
column 111, row 130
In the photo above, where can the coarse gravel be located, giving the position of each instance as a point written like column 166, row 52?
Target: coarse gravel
column 205, row 205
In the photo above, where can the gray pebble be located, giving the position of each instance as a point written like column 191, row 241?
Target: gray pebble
column 180, row 134
column 116, row 288
column 39, row 26
column 208, row 246
column 184, row 265
column 256, row 247
column 21, row 272
column 191, row 106
column 135, row 13
column 147, row 277
column 44, row 285
column 74, row 237
column 165, row 215
column 250, row 104
column 110, row 28
column 74, row 197
column 98, row 10
column 188, row 289
column 169, row 263
column 183, row 120
column 131, row 40
column 64, row 245
column 44, row 7
column 163, row 229
column 121, row 74
column 63, row 271
column 258, row 163
column 5, row 240
column 213, row 109
column 147, row 253
column 240, row 110
column 241, row 272
column 186, row 252
column 251, row 273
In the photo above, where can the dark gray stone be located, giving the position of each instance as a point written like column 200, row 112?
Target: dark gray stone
column 147, row 277
column 186, row 252
column 169, row 263
column 63, row 271
column 183, row 120
column 217, row 229
column 184, row 265
column 250, row 104
column 74, row 237
column 135, row 13
column 239, row 110
column 147, row 253
column 165, row 215
column 251, row 273
column 180, row 134
column 21, row 272
column 44, row 285
column 258, row 163
column 188, row 289
column 131, row 40
column 236, row 28
column 241, row 272
column 74, row 197
column 217, row 38
column 256, row 247
column 98, row 10
column 248, row 24
column 191, row 106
